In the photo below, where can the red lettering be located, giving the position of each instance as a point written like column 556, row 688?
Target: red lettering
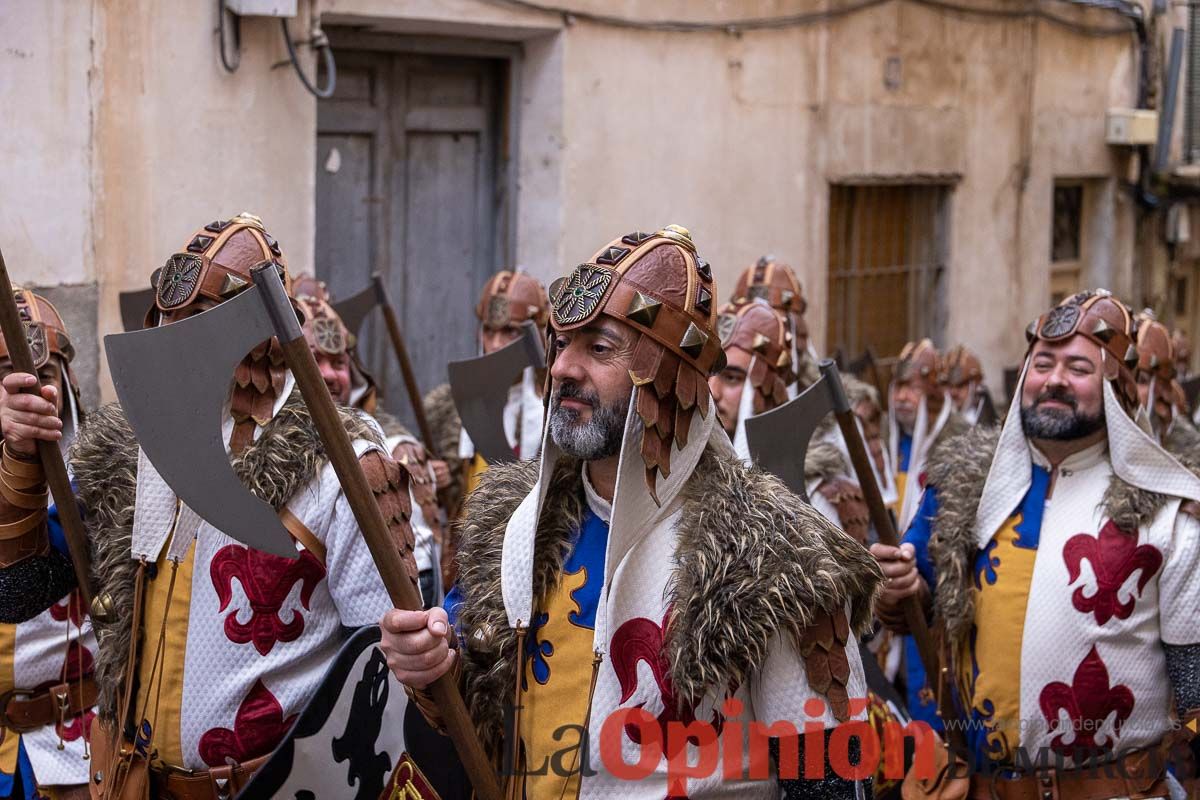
column 839, row 751
column 704, row 736
column 612, row 738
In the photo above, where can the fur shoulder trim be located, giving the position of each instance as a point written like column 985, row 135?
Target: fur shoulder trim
column 443, row 419
column 1183, row 442
column 490, row 658
column 824, row 461
column 958, row 469
column 104, row 461
column 753, row 561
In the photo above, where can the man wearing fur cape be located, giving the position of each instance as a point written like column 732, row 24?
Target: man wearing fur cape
column 208, row 649
column 509, row 300
column 758, row 369
column 638, row 572
column 1062, row 552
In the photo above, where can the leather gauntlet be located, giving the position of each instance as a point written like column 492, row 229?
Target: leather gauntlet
column 23, row 498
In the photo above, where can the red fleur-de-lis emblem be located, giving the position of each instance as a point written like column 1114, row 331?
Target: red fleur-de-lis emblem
column 257, row 728
column 77, row 727
column 70, row 607
column 1115, row 556
column 1094, row 710
column 267, row 581
column 640, row 639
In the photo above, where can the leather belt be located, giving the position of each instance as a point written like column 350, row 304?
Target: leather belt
column 1091, row 783
column 219, row 783
column 23, row 712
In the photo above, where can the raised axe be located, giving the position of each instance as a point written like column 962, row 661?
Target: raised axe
column 480, row 387
column 778, row 441
column 353, row 310
column 19, row 337
column 173, row 381
column 133, row 307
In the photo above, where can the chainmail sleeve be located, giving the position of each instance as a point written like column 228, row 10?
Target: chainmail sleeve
column 32, row 585
column 1183, row 669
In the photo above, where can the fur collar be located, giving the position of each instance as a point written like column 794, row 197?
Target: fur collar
column 753, row 561
column 823, row 461
column 104, row 459
column 959, row 472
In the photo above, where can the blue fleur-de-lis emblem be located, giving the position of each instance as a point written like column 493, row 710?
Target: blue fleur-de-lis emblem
column 537, row 651
column 578, row 296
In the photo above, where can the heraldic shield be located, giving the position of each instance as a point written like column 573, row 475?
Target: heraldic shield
column 349, row 741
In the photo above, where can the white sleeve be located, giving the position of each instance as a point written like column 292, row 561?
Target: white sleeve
column 354, row 582
column 780, row 689
column 1179, row 585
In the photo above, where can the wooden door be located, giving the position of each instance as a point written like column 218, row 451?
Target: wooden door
column 407, row 184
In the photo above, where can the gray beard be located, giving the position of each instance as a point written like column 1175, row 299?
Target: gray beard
column 600, row 437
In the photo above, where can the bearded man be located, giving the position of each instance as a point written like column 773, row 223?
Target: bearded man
column 962, row 377
column 639, row 537
column 233, row 641
column 1059, row 554
column 509, row 300
column 335, row 351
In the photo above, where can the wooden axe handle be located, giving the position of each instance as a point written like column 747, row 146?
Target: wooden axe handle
column 51, row 457
column 406, row 370
column 379, row 541
column 885, row 528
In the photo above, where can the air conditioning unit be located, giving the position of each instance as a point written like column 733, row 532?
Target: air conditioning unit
column 262, row 8
column 1131, row 126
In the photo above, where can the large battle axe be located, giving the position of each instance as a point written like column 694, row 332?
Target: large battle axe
column 480, row 388
column 16, row 335
column 778, row 441
column 173, row 382
column 354, row 309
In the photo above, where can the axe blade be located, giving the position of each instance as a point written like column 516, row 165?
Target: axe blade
column 134, row 306
column 355, row 308
column 779, row 438
column 173, row 383
column 480, row 387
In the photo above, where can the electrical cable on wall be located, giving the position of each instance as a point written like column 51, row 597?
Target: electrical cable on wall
column 1125, row 8
column 222, row 16
column 320, row 42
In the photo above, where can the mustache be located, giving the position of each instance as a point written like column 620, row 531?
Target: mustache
column 573, row 391
column 1058, row 395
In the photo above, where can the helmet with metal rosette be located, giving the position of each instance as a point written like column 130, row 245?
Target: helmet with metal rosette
column 1104, row 320
column 760, row 331
column 512, row 298
column 216, row 262
column 44, row 329
column 658, row 285
column 326, row 333
column 772, row 281
column 48, row 341
column 214, row 266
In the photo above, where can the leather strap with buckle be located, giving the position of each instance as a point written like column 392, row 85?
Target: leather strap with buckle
column 1079, row 784
column 25, row 711
column 218, row 783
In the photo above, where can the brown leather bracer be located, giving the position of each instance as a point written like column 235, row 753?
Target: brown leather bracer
column 389, row 483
